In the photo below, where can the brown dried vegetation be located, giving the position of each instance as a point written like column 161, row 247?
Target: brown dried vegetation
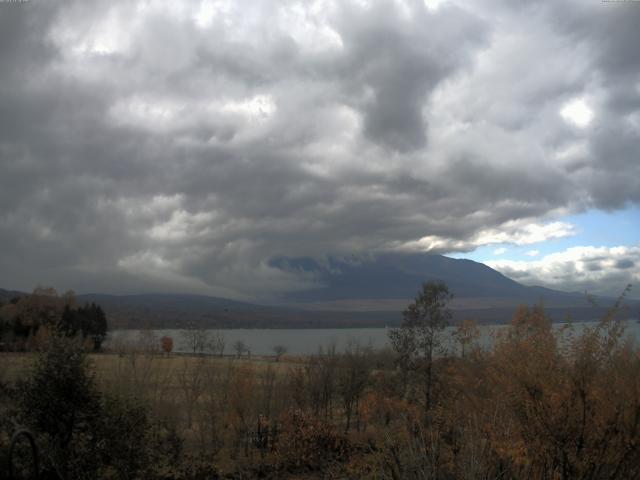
column 541, row 403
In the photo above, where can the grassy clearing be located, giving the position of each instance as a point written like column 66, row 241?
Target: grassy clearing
column 14, row 365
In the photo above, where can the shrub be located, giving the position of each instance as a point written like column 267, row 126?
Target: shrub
column 309, row 443
column 166, row 343
column 82, row 433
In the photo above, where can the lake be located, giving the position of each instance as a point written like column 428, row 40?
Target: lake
column 308, row 341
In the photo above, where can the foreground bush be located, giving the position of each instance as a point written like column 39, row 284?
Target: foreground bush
column 81, row 433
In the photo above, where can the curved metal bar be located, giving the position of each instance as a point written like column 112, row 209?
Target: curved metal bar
column 23, row 432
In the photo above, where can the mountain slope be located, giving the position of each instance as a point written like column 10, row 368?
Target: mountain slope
column 350, row 292
column 167, row 301
column 399, row 276
column 7, row 295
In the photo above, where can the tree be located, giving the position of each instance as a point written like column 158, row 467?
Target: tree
column 82, row 433
column 166, row 343
column 196, row 338
column 147, row 341
column 60, row 401
column 217, row 343
column 60, row 391
column 321, row 379
column 466, row 334
column 94, row 324
column 191, row 379
column 240, row 347
column 30, row 312
column 572, row 397
column 69, row 323
column 44, row 308
column 420, row 334
column 279, row 351
column 353, row 379
column 89, row 320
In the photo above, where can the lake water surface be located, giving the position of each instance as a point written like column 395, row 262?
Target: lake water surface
column 308, row 341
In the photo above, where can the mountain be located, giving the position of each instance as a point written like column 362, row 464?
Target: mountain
column 399, row 276
column 7, row 295
column 350, row 292
column 168, row 302
column 180, row 310
column 388, row 282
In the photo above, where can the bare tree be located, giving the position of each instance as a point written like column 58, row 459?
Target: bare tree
column 279, row 351
column 148, row 342
column 240, row 347
column 353, row 378
column 466, row 334
column 321, row 379
column 191, row 378
column 267, row 383
column 196, row 338
column 217, row 379
column 216, row 343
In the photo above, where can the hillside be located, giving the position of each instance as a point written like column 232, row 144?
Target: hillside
column 350, row 292
column 399, row 276
column 7, row 295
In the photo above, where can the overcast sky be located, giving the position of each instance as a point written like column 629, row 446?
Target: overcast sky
column 178, row 146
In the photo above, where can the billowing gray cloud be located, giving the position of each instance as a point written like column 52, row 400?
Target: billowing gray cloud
column 180, row 145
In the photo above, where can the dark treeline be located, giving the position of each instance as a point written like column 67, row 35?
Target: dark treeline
column 26, row 322
column 540, row 404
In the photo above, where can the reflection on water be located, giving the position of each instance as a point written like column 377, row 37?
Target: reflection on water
column 308, row 341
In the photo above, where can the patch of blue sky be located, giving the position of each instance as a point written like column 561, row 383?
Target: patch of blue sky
column 595, row 228
column 608, row 229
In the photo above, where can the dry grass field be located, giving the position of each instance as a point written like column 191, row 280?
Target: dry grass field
column 212, row 403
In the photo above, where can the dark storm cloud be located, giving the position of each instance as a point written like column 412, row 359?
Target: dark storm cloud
column 392, row 64
column 160, row 146
column 610, row 31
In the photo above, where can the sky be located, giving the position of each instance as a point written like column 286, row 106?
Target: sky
column 178, row 146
